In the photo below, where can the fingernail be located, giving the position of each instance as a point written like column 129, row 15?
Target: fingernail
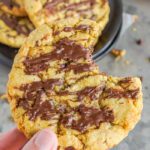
column 43, row 140
column 46, row 140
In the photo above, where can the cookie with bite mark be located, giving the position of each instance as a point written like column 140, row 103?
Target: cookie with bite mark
column 55, row 83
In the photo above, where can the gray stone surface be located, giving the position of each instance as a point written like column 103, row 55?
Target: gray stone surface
column 139, row 138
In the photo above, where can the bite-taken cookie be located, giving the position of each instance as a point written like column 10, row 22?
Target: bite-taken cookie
column 48, row 11
column 55, row 83
column 14, row 30
column 14, row 7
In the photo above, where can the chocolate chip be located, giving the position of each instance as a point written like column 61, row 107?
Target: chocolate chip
column 139, row 42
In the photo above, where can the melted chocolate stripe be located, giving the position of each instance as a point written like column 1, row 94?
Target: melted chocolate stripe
column 92, row 92
column 95, row 92
column 69, row 29
column 53, row 3
column 9, row 3
column 115, row 93
column 125, row 80
column 52, row 6
column 70, row 148
column 83, row 27
column 74, row 6
column 36, row 105
column 78, row 68
column 64, row 49
column 33, row 101
column 12, row 22
column 88, row 117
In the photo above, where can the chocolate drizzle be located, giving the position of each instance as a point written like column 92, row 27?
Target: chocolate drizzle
column 34, row 99
column 125, row 81
column 13, row 23
column 70, row 148
column 43, row 109
column 78, row 68
column 74, row 6
column 64, row 49
column 88, row 117
column 52, row 6
column 68, row 29
column 36, row 104
column 67, row 49
column 9, row 3
column 81, row 27
column 115, row 93
column 92, row 92
column 38, row 85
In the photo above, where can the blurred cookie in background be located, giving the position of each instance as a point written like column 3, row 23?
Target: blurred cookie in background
column 14, row 7
column 46, row 11
column 14, row 30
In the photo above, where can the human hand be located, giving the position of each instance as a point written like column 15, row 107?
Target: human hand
column 15, row 140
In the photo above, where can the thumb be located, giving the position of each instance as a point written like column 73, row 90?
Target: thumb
column 43, row 140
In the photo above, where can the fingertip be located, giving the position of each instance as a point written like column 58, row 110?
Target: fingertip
column 43, row 140
column 49, row 136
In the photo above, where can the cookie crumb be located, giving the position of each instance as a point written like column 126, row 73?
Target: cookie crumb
column 135, row 18
column 3, row 96
column 127, row 62
column 118, row 53
column 139, row 42
column 141, row 78
column 148, row 59
column 134, row 29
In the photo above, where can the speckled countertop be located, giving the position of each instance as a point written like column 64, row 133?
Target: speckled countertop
column 139, row 58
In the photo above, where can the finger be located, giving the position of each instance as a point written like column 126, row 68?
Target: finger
column 43, row 140
column 12, row 140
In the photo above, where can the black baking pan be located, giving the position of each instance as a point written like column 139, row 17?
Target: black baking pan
column 111, row 32
column 104, row 44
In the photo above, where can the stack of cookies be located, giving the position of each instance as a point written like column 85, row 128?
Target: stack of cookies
column 15, row 26
column 55, row 83
column 19, row 17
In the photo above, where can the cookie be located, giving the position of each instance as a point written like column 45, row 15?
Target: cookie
column 49, row 11
column 13, row 7
column 55, row 83
column 82, row 30
column 14, row 30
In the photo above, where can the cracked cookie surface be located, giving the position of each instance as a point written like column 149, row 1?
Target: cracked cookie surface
column 55, row 83
column 14, row 30
column 13, row 7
